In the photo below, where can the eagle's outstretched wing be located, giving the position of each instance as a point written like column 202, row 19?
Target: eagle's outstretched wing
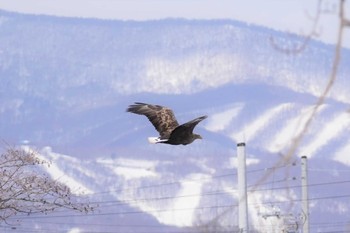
column 191, row 124
column 186, row 129
column 162, row 118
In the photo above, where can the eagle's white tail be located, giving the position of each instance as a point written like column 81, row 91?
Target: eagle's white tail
column 155, row 140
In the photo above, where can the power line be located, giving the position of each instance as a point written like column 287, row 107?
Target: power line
column 315, row 224
column 164, row 184
column 299, row 200
column 189, row 180
column 134, row 225
column 193, row 229
column 328, row 170
column 218, row 192
column 129, row 212
column 181, row 209
column 130, row 201
column 108, row 225
column 312, row 225
column 335, row 231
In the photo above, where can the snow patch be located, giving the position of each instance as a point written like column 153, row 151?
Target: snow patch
column 343, row 154
column 249, row 161
column 191, row 190
column 133, row 173
column 218, row 122
column 293, row 127
column 57, row 174
column 252, row 129
column 175, row 211
column 74, row 230
column 330, row 131
column 131, row 168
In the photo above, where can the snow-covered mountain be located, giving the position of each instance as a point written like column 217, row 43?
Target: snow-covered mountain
column 65, row 84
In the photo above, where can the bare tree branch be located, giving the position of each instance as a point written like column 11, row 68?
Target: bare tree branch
column 346, row 23
column 313, row 32
column 288, row 157
column 25, row 189
column 332, row 77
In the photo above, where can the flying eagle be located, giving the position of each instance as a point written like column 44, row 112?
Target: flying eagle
column 163, row 119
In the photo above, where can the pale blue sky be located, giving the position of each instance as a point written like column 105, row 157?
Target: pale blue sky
column 285, row 15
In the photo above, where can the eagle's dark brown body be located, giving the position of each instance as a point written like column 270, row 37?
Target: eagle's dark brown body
column 164, row 121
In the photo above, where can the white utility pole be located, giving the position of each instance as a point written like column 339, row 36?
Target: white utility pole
column 242, row 189
column 304, row 194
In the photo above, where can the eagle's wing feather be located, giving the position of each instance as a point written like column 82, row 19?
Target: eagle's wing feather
column 162, row 118
column 191, row 124
column 187, row 128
